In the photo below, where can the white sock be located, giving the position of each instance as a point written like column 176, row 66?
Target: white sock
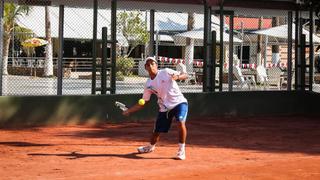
column 152, row 146
column 182, row 146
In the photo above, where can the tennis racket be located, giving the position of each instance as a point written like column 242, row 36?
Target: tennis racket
column 121, row 106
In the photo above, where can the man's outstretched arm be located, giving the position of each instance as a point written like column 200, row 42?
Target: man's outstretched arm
column 134, row 108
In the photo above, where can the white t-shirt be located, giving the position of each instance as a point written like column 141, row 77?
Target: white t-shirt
column 166, row 89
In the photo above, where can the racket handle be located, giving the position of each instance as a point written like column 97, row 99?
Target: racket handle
column 122, row 106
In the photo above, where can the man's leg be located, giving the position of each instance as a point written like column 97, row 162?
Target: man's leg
column 151, row 147
column 154, row 138
column 162, row 125
column 181, row 116
column 182, row 140
column 182, row 132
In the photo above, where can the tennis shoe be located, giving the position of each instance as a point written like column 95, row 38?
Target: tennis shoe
column 181, row 155
column 146, row 149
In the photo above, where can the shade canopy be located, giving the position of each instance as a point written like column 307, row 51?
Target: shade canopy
column 282, row 32
column 34, row 42
column 78, row 23
column 197, row 36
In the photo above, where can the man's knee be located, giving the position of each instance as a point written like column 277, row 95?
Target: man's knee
column 156, row 134
column 182, row 124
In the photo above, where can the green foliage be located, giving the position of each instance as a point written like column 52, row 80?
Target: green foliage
column 133, row 28
column 22, row 33
column 12, row 12
column 119, row 76
column 125, row 65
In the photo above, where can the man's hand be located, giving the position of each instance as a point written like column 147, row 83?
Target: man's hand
column 181, row 76
column 126, row 113
column 175, row 77
column 132, row 109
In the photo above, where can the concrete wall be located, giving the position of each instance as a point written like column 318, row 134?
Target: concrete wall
column 57, row 110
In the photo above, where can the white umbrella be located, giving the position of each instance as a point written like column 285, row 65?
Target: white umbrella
column 282, row 32
column 197, row 35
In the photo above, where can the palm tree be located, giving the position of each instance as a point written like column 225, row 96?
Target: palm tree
column 11, row 13
column 48, row 67
column 189, row 48
column 259, row 43
column 276, row 21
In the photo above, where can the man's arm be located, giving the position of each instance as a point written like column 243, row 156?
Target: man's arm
column 181, row 76
column 136, row 107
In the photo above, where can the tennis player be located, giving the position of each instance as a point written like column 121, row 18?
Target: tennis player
column 172, row 104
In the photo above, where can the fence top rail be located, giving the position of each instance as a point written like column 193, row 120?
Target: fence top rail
column 269, row 7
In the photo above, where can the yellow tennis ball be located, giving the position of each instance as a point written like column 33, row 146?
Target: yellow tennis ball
column 141, row 102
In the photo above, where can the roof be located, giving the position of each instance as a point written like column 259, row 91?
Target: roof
column 282, row 32
column 250, row 23
column 165, row 21
column 197, row 36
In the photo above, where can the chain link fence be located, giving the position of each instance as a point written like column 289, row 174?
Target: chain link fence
column 260, row 61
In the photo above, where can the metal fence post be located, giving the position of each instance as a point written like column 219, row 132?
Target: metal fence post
column 289, row 70
column 221, row 53
column 297, row 50
column 103, row 72
column 311, row 49
column 230, row 77
column 206, row 45
column 94, row 47
column 113, row 45
column 151, row 41
column 1, row 44
column 61, row 45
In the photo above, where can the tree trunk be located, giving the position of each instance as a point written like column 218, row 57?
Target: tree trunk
column 259, row 44
column 189, row 49
column 6, row 44
column 275, row 48
column 48, row 64
column 190, row 26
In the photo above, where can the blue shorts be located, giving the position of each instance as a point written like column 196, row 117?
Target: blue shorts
column 164, row 119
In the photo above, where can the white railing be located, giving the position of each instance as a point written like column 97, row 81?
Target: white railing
column 75, row 64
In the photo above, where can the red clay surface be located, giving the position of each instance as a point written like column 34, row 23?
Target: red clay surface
column 247, row 148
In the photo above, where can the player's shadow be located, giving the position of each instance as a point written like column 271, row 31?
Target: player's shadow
column 75, row 155
column 268, row 134
column 22, row 144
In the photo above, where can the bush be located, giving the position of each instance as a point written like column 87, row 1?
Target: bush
column 124, row 65
column 119, row 76
column 25, row 71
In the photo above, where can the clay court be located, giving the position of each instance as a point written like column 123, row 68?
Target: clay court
column 243, row 148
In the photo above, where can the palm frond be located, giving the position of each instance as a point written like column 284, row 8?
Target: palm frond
column 23, row 33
